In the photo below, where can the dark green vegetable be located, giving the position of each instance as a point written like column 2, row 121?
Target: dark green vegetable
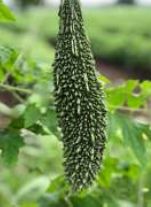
column 79, row 99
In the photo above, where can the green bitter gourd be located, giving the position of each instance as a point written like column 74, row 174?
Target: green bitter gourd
column 79, row 99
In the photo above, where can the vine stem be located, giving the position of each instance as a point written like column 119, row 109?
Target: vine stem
column 125, row 108
column 14, row 88
column 28, row 91
column 5, row 78
column 5, row 110
column 21, row 100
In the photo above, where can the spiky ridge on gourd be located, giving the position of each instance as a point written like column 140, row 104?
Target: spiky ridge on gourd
column 79, row 99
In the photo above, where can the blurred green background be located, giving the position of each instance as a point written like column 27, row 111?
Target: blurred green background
column 31, row 172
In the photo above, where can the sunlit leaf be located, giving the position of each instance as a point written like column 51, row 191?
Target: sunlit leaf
column 49, row 119
column 5, row 13
column 133, row 135
column 31, row 115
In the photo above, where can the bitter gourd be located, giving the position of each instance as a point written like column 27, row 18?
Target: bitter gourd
column 79, row 99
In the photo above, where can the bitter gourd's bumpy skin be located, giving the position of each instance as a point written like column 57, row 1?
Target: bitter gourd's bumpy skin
column 79, row 99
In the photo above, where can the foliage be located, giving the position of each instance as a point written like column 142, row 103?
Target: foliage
column 10, row 143
column 119, row 35
column 31, row 134
column 35, row 113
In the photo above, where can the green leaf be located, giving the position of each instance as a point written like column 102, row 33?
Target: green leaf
column 1, row 74
column 29, row 204
column 145, row 87
column 90, row 201
column 10, row 143
column 130, row 93
column 105, row 177
column 112, row 126
column 31, row 115
column 57, row 185
column 103, row 80
column 17, row 123
column 135, row 101
column 5, row 13
column 8, row 57
column 38, row 129
column 115, row 97
column 53, row 200
column 133, row 136
column 49, row 119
